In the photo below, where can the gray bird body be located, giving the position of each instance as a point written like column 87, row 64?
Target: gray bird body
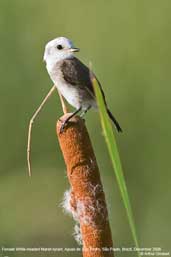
column 72, row 79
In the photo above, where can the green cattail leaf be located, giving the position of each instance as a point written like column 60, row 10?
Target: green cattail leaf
column 114, row 155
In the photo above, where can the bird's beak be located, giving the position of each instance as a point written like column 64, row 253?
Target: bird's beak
column 74, row 49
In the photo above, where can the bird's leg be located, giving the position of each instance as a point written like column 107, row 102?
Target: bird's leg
column 30, row 127
column 85, row 111
column 66, row 121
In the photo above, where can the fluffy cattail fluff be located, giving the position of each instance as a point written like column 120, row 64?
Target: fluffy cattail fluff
column 69, row 208
column 77, row 234
column 66, row 202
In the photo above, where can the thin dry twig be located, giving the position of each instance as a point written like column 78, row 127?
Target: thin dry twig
column 30, row 127
column 64, row 107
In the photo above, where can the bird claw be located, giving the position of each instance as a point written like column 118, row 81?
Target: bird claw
column 62, row 127
column 82, row 118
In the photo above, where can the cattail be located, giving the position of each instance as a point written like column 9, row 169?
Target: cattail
column 86, row 199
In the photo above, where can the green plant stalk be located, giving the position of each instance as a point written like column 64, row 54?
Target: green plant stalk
column 114, row 155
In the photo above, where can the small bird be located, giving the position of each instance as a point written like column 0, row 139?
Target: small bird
column 72, row 77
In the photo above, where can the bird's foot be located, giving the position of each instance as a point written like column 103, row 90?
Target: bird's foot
column 82, row 114
column 63, row 127
column 82, row 118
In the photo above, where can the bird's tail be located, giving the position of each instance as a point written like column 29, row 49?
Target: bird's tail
column 114, row 121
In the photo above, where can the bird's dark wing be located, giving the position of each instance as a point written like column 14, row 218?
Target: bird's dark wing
column 76, row 73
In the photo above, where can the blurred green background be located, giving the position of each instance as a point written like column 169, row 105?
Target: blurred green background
column 129, row 45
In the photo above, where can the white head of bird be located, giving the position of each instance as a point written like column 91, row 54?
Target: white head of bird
column 58, row 49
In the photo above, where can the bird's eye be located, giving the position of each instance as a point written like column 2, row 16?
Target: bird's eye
column 59, row 47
